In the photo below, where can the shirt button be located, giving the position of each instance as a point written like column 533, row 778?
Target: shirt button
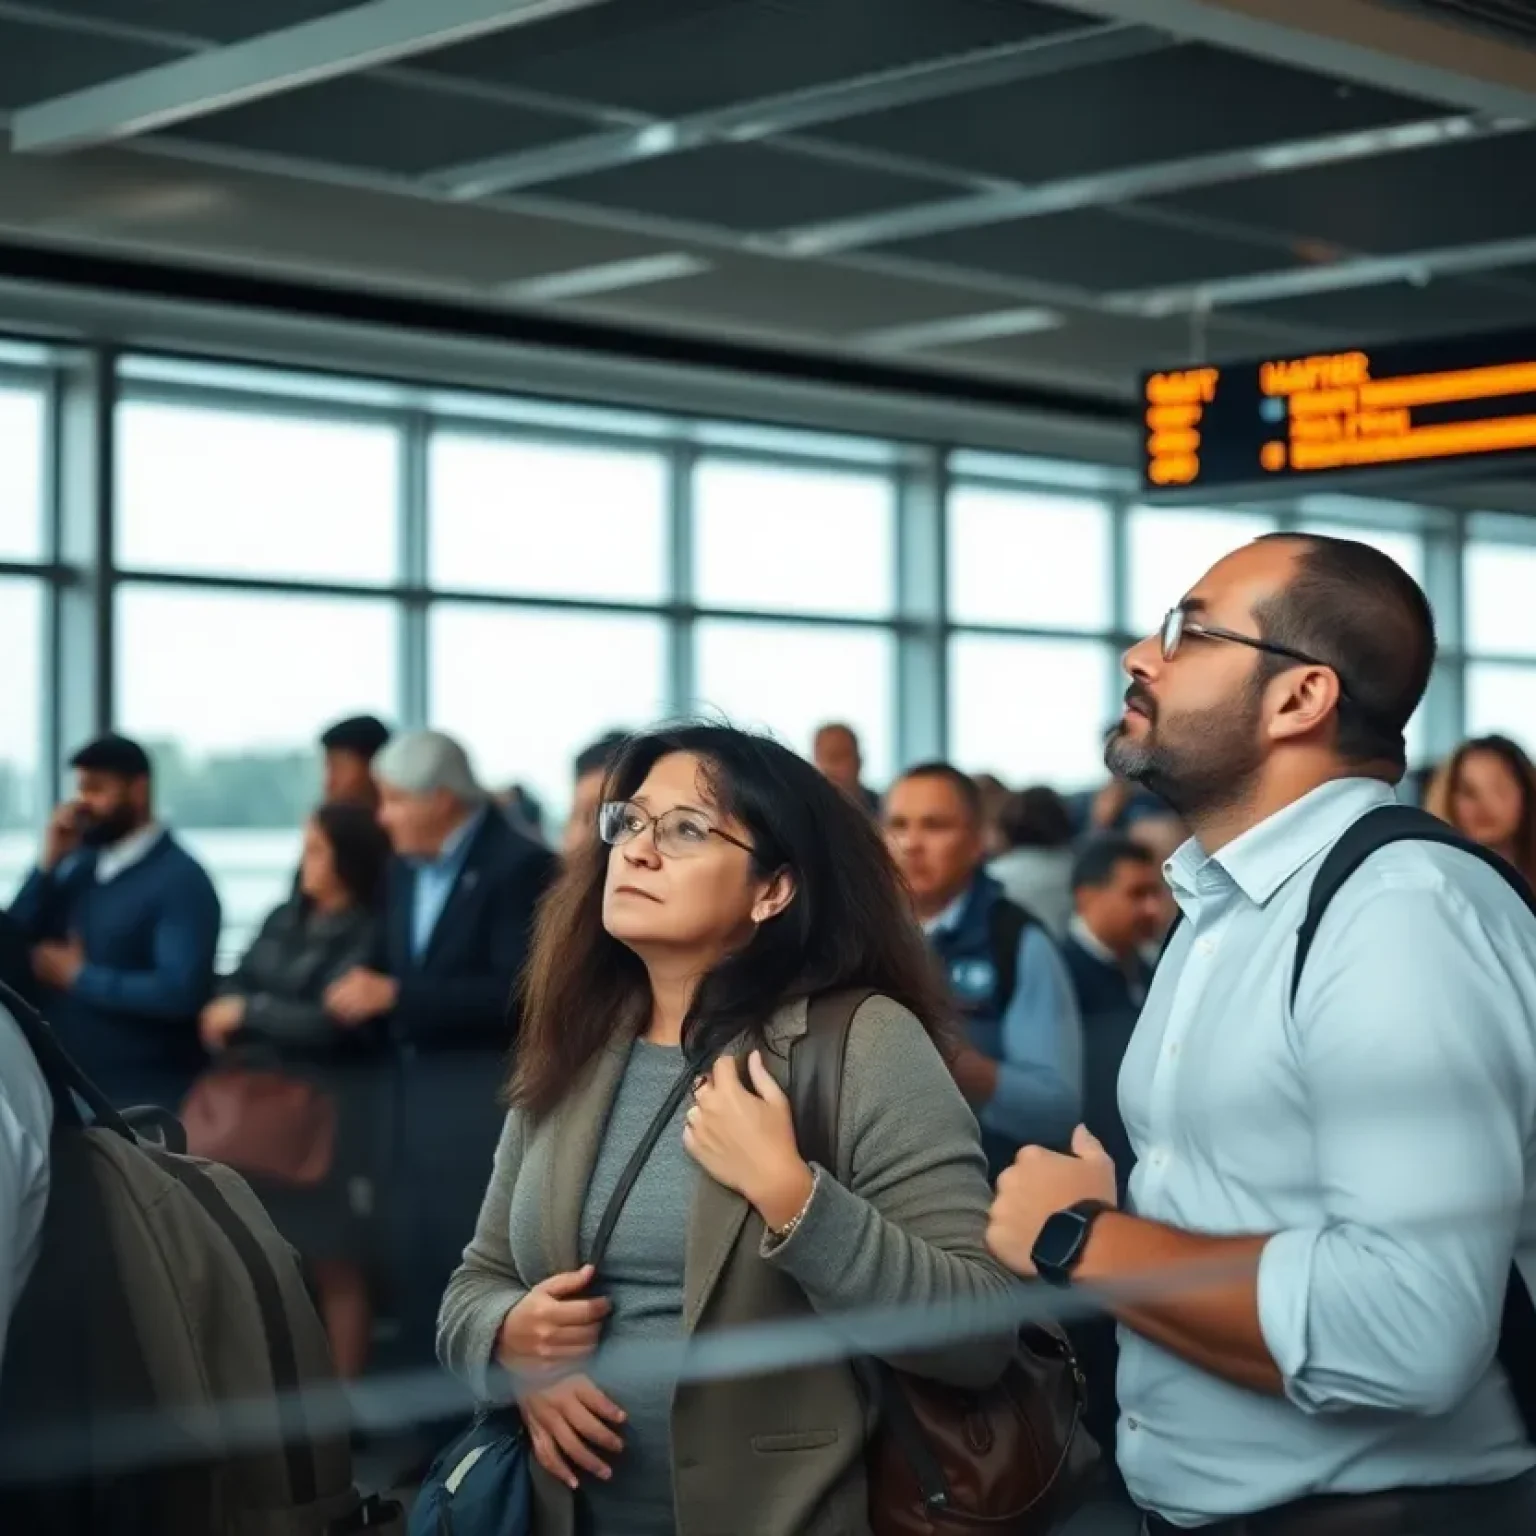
column 1173, row 1049
column 1206, row 946
column 1159, row 1158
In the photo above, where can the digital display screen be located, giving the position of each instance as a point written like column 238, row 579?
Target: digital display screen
column 1290, row 417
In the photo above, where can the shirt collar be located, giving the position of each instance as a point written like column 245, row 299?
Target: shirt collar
column 1261, row 861
column 127, row 851
column 1092, row 943
column 457, row 841
column 952, row 915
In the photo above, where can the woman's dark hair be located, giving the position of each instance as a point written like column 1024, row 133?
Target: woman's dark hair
column 1514, row 758
column 1036, row 818
column 849, row 925
column 359, row 848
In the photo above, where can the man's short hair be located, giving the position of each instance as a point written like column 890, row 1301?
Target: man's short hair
column 840, row 727
column 1095, row 865
column 1036, row 818
column 962, row 784
column 113, row 754
column 1358, row 610
column 426, row 763
column 601, row 755
column 364, row 735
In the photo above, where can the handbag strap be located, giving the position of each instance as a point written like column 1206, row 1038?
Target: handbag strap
column 637, row 1160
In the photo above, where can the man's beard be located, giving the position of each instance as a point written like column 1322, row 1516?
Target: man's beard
column 1210, row 765
column 102, row 832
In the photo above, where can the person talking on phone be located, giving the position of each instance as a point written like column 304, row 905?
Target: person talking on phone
column 124, row 928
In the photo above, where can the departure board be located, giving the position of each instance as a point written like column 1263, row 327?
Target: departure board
column 1345, row 414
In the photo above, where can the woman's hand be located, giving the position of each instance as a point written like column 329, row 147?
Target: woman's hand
column 219, row 1020
column 746, row 1140
column 553, row 1325
column 565, row 1421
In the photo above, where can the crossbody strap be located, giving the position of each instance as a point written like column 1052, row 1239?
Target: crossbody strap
column 637, row 1160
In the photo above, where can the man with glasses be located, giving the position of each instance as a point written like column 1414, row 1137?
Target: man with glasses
column 1329, row 1191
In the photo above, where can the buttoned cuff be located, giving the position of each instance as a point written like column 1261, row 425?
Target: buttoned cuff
column 1284, row 1296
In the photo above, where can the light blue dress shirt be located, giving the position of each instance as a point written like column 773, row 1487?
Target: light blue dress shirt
column 435, row 880
column 1385, row 1132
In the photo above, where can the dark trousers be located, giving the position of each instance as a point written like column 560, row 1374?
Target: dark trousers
column 1498, row 1509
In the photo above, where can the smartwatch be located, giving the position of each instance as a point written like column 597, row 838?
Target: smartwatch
column 1059, row 1247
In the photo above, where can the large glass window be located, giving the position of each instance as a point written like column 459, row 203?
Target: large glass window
column 526, row 691
column 22, row 446
column 1500, row 598
column 229, row 692
column 21, row 722
column 547, row 520
column 1502, row 699
column 791, row 678
column 1171, row 550
column 1029, row 561
column 272, row 496
column 1030, row 711
column 790, row 540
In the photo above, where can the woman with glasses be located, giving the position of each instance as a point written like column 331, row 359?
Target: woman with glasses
column 673, row 965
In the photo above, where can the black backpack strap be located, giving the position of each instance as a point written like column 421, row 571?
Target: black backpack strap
column 1006, row 925
column 70, row 1087
column 1379, row 829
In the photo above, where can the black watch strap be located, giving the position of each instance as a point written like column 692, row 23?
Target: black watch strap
column 1059, row 1248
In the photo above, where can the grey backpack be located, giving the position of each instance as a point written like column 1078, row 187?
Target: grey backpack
column 164, row 1361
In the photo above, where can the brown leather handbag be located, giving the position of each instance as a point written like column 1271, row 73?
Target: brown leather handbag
column 263, row 1123
column 1015, row 1457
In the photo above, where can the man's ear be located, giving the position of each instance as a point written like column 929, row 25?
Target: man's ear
column 1302, row 699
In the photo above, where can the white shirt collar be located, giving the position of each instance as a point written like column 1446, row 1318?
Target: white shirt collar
column 126, row 852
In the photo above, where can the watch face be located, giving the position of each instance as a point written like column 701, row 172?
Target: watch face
column 1060, row 1240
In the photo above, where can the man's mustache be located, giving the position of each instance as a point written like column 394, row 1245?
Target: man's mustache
column 1137, row 698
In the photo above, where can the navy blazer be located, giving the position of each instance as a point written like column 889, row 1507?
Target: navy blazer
column 458, row 992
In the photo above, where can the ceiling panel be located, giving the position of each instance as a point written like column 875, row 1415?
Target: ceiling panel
column 39, row 62
column 1097, row 350
column 675, row 56
column 1186, row 101
column 763, row 293
column 1454, row 194
column 1379, row 314
column 365, row 121
column 746, row 187
column 1099, row 250
column 223, row 21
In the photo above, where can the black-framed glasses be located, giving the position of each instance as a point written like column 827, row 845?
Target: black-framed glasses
column 1178, row 626
column 680, row 833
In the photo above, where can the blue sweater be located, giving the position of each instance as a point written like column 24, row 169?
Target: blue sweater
column 150, row 937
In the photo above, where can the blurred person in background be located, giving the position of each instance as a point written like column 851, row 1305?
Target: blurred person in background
column 271, row 1011
column 124, row 925
column 460, row 897
column 1162, row 837
column 525, row 811
column 589, row 772
column 1333, row 1176
column 1036, row 871
column 839, row 758
column 994, row 795
column 1117, row 891
column 1020, row 1064
column 1487, row 791
column 350, row 747
column 736, row 884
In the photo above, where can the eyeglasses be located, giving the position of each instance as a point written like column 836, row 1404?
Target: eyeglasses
column 680, row 833
column 1179, row 627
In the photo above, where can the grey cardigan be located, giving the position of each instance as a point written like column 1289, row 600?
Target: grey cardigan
column 779, row 1453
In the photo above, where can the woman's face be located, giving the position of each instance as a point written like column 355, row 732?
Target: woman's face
column 1487, row 803
column 318, row 879
column 687, row 885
